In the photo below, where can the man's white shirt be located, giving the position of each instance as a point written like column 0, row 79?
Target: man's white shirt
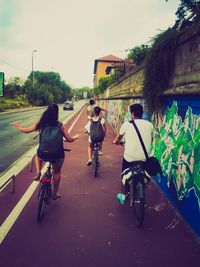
column 133, row 149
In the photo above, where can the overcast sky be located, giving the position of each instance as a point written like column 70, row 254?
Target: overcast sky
column 70, row 34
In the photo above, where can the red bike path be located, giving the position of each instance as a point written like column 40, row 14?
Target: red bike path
column 87, row 226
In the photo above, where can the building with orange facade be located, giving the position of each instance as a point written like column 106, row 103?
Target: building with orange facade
column 101, row 66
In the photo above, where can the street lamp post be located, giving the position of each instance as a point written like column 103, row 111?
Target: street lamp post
column 32, row 69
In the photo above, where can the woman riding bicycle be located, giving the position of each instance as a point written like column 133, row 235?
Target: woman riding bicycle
column 49, row 121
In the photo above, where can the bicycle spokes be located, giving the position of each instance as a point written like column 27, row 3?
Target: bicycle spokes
column 45, row 193
column 139, row 203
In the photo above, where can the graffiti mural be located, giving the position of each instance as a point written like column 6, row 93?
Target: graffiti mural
column 177, row 146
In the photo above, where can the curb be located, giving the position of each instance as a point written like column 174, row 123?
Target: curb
column 20, row 110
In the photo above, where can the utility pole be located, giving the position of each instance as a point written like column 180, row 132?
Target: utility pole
column 32, row 69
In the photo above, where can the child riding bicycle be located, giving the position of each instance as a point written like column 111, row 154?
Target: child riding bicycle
column 95, row 119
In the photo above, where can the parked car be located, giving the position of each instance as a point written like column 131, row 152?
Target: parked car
column 68, row 105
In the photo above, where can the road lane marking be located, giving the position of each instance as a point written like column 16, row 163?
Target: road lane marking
column 71, row 127
column 12, row 217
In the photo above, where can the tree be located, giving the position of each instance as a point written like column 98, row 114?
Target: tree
column 104, row 83
column 14, row 87
column 78, row 92
column 96, row 91
column 188, row 7
column 48, row 88
column 137, row 53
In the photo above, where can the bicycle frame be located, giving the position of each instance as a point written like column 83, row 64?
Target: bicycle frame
column 45, row 191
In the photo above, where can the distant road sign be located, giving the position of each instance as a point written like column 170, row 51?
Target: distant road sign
column 1, row 83
column 84, row 94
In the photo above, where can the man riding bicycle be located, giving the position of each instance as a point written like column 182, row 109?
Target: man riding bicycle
column 133, row 153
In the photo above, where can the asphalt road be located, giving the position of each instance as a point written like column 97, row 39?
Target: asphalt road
column 87, row 227
column 12, row 142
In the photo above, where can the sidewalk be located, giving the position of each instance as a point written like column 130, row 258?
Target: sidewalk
column 87, row 227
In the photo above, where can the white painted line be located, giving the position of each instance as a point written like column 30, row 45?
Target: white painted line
column 12, row 217
column 75, row 121
column 8, row 223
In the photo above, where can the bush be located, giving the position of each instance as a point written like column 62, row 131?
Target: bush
column 6, row 103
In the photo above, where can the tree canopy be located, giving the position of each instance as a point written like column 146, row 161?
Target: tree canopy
column 45, row 88
column 79, row 92
column 137, row 53
column 187, row 7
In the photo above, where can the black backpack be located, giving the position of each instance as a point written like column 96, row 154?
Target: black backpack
column 51, row 139
column 97, row 133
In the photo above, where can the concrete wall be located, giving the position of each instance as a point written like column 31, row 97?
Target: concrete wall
column 186, row 78
column 130, row 85
column 187, row 60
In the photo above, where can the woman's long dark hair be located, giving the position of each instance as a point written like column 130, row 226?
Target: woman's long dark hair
column 49, row 117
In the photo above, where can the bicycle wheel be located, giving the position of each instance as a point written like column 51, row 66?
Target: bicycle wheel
column 139, row 203
column 42, row 198
column 95, row 162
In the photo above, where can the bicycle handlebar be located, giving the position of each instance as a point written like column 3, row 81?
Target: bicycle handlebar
column 35, row 136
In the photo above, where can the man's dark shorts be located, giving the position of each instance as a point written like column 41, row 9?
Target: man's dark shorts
column 126, row 164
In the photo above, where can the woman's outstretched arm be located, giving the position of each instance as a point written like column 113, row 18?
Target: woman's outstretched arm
column 22, row 129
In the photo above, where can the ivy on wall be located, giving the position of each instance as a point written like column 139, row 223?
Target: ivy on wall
column 159, row 66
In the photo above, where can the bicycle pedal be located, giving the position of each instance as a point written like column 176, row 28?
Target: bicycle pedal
column 137, row 201
column 48, row 202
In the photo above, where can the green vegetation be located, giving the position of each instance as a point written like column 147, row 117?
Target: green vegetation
column 12, row 103
column 138, row 53
column 159, row 63
column 103, row 84
column 188, row 8
column 40, row 89
column 79, row 92
column 46, row 88
column 159, row 66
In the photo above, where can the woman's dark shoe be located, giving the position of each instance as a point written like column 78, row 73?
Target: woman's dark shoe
column 54, row 197
column 37, row 177
column 89, row 163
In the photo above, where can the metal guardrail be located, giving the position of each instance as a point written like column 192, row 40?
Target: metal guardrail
column 31, row 163
column 7, row 182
